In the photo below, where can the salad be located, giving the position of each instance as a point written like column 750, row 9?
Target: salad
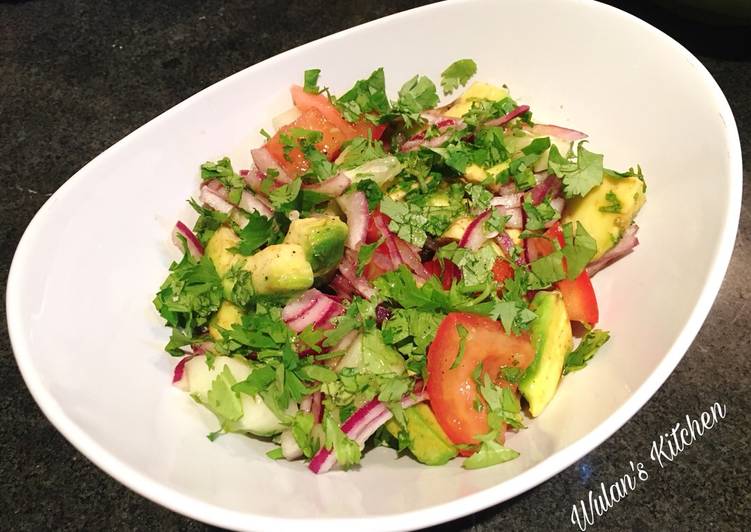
column 395, row 273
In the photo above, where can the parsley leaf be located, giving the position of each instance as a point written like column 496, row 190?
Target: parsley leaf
column 613, row 203
column 311, row 81
column 456, row 74
column 586, row 349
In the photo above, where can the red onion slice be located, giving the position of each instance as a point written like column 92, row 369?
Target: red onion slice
column 333, row 186
column 360, row 426
column 411, row 258
column 563, row 133
column 301, row 305
column 507, row 245
column 252, row 203
column 264, row 160
column 507, row 200
column 625, row 245
column 314, row 315
column 342, row 286
column 191, row 240
column 474, row 235
column 508, row 117
column 316, row 406
column 334, row 310
column 179, row 373
column 551, row 185
column 355, row 207
column 348, row 271
column 210, row 198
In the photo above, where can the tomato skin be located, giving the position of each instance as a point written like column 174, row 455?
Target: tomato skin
column 312, row 119
column 453, row 392
column 578, row 294
column 502, row 270
column 305, row 101
column 445, row 270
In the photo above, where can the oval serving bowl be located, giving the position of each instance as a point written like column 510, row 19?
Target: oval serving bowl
column 89, row 343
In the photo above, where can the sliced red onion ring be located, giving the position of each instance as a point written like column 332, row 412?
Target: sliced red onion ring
column 355, row 207
column 179, row 373
column 508, row 200
column 474, row 235
column 251, row 203
column 217, row 188
column 360, row 426
column 191, row 240
column 348, row 270
column 301, row 305
column 551, row 185
column 335, row 309
column 563, row 133
column 342, row 287
column 210, row 198
column 507, row 245
column 316, row 406
column 411, row 258
column 333, row 186
column 625, row 245
column 264, row 160
column 508, row 117
column 446, row 126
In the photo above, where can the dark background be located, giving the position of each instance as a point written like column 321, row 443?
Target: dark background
column 77, row 76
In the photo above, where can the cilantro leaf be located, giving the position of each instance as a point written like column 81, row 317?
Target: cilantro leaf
column 476, row 266
column 586, row 349
column 515, row 316
column 366, row 96
column 579, row 249
column 222, row 400
column 281, row 197
column 256, row 233
column 538, row 216
column 275, row 453
column 311, row 81
column 347, row 451
column 258, row 381
column 359, row 151
column 407, row 221
column 365, row 254
column 490, row 453
column 547, row 270
column 462, row 331
column 613, row 203
column 578, row 177
column 222, row 171
column 372, row 192
column 456, row 74
column 302, row 431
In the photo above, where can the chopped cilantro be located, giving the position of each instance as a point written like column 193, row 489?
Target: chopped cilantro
column 613, row 203
column 366, row 96
column 359, row 151
column 372, row 192
column 365, row 253
column 281, row 197
column 580, row 248
column 462, row 331
column 547, row 270
column 538, row 216
column 456, row 74
column 347, row 451
column 407, row 221
column 275, row 453
column 222, row 171
column 256, row 233
column 490, row 453
column 222, row 400
column 586, row 349
column 580, row 176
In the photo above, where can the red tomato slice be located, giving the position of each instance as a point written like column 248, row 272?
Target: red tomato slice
column 453, row 392
column 305, row 101
column 502, row 270
column 578, row 294
column 312, row 119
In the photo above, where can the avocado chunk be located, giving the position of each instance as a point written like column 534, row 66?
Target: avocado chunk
column 277, row 269
column 428, row 443
column 227, row 316
column 322, row 238
column 607, row 227
column 552, row 340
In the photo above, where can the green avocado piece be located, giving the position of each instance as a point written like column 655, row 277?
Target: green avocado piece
column 225, row 318
column 322, row 238
column 279, row 269
column 428, row 443
column 552, row 340
column 276, row 269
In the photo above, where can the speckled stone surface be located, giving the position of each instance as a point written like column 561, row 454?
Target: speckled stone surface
column 77, row 76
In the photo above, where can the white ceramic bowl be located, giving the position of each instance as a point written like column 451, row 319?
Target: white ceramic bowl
column 88, row 341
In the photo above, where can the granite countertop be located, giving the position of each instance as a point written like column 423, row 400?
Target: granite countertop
column 79, row 75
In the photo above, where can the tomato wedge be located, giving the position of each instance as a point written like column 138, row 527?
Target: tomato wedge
column 453, row 392
column 578, row 294
column 305, row 101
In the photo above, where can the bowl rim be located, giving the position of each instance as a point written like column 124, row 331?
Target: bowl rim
column 541, row 472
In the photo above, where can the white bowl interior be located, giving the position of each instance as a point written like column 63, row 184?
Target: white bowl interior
column 90, row 343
